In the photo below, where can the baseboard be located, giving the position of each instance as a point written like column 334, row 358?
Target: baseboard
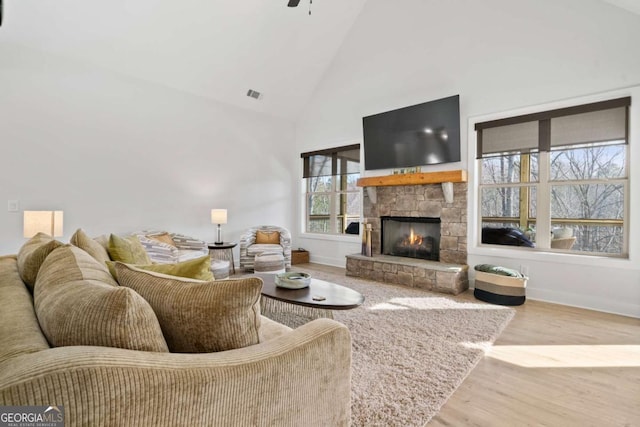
column 582, row 301
column 585, row 301
column 333, row 262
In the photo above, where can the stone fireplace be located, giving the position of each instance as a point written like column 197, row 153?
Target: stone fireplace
column 408, row 204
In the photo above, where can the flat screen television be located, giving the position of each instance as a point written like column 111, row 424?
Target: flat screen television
column 423, row 134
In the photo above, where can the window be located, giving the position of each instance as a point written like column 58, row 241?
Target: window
column 332, row 197
column 557, row 180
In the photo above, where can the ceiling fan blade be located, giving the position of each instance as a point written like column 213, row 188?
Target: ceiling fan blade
column 293, row 3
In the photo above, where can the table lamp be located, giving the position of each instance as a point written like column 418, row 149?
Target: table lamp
column 48, row 222
column 218, row 216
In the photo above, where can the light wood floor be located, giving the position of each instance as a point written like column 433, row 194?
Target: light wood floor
column 553, row 365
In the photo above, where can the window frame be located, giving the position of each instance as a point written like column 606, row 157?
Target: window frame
column 544, row 185
column 338, row 197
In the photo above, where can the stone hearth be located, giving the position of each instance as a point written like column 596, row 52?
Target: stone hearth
column 450, row 275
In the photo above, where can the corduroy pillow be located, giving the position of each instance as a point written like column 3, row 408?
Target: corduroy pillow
column 268, row 237
column 103, row 240
column 90, row 246
column 127, row 249
column 78, row 303
column 31, row 256
column 198, row 316
column 197, row 268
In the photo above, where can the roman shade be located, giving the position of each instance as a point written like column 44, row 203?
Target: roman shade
column 517, row 137
column 333, row 161
column 595, row 126
column 605, row 121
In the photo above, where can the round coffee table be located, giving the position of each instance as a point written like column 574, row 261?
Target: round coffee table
column 298, row 306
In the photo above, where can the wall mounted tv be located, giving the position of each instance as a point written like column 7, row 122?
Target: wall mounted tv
column 423, row 134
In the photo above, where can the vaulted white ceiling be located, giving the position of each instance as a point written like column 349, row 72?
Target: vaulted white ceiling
column 214, row 49
column 211, row 48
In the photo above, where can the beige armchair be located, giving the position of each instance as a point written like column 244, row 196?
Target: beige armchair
column 264, row 238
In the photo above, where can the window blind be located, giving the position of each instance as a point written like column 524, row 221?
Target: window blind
column 604, row 121
column 518, row 137
column 333, row 161
column 596, row 126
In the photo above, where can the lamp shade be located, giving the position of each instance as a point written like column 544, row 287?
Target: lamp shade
column 218, row 216
column 48, row 222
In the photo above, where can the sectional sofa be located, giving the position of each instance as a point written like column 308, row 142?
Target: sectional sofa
column 138, row 354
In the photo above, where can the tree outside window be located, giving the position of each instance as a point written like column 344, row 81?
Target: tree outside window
column 577, row 165
column 332, row 197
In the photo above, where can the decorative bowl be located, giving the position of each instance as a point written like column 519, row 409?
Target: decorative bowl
column 292, row 280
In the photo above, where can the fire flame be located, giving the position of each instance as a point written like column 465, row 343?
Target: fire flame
column 413, row 239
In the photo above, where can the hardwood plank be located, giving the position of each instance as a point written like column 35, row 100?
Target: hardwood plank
column 503, row 393
column 506, row 393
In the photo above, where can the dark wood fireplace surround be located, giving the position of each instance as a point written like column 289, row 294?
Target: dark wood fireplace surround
column 417, row 195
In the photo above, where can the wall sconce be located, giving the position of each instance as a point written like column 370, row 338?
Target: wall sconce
column 218, row 216
column 48, row 222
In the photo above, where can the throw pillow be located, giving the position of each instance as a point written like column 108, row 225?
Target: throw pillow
column 496, row 269
column 127, row 249
column 78, row 303
column 90, row 246
column 198, row 268
column 159, row 252
column 31, row 256
column 268, row 237
column 103, row 241
column 163, row 237
column 198, row 316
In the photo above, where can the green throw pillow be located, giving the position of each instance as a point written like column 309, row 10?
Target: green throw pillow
column 198, row 268
column 496, row 269
column 127, row 249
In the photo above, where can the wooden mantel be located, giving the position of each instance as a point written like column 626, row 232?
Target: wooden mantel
column 413, row 178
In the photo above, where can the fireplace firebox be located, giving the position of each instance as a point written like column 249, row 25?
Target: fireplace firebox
column 412, row 237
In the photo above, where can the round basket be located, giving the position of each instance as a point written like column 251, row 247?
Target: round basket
column 292, row 280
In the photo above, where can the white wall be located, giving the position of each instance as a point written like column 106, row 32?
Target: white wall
column 499, row 56
column 118, row 154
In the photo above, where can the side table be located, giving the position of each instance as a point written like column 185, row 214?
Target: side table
column 223, row 251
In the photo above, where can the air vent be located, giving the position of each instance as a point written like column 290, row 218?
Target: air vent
column 254, row 94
